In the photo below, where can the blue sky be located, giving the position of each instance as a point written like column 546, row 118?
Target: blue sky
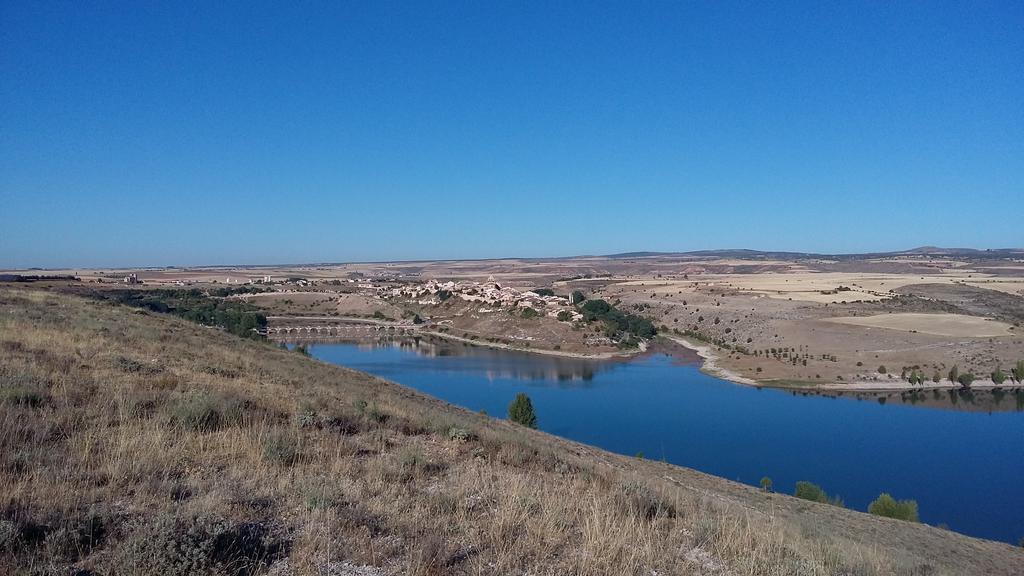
column 215, row 133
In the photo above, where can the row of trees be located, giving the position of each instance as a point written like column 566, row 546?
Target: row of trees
column 916, row 377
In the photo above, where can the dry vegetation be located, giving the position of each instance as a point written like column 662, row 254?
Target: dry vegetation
column 135, row 443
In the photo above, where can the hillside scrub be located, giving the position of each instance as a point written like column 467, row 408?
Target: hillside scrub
column 886, row 505
column 618, row 324
column 234, row 316
column 139, row 443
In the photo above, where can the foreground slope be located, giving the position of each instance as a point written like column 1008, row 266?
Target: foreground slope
column 135, row 443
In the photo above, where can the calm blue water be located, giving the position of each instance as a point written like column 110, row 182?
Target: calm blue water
column 964, row 468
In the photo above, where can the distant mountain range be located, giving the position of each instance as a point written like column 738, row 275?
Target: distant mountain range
column 747, row 254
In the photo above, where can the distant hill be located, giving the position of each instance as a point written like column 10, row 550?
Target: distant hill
column 747, row 254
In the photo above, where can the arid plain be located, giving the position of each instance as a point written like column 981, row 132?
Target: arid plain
column 848, row 322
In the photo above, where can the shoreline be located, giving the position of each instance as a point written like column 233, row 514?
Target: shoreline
column 709, row 362
column 710, row 366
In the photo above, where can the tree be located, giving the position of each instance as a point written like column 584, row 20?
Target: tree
column 1018, row 371
column 998, row 376
column 936, row 377
column 521, row 411
column 576, row 297
column 954, row 374
column 889, row 507
column 810, row 491
column 881, row 369
column 766, row 484
column 965, row 379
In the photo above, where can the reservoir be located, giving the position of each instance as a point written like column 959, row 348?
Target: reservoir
column 961, row 456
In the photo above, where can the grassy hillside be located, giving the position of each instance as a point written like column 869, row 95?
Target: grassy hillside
column 139, row 443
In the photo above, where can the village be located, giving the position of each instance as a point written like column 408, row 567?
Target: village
column 492, row 295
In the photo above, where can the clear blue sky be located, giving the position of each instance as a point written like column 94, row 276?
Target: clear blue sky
column 218, row 133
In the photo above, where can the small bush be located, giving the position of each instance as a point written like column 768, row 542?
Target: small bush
column 281, row 446
column 814, row 493
column 204, row 412
column 459, row 434
column 642, row 502
column 810, row 491
column 198, row 545
column 22, row 396
column 886, row 505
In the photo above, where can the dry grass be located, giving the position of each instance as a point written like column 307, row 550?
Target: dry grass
column 956, row 325
column 140, row 444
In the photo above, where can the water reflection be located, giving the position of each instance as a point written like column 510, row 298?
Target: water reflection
column 1005, row 399
column 453, row 357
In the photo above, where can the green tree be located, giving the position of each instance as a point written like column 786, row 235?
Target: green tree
column 810, row 491
column 521, row 411
column 936, row 377
column 766, row 484
column 998, row 376
column 965, row 379
column 954, row 374
column 889, row 507
column 577, row 297
column 1018, row 371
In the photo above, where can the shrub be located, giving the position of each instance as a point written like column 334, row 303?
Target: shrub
column 281, row 446
column 564, row 316
column 639, row 500
column 577, row 297
column 204, row 412
column 459, row 434
column 22, row 396
column 521, row 411
column 530, row 313
column 881, row 370
column 810, row 491
column 814, row 493
column 886, row 505
column 198, row 545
